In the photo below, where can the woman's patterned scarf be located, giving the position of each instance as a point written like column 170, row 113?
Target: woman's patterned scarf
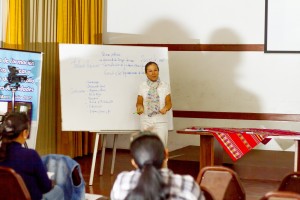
column 152, row 100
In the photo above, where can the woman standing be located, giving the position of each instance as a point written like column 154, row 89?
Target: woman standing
column 153, row 102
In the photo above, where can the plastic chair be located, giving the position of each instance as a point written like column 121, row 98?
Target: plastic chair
column 281, row 195
column 221, row 182
column 12, row 186
column 291, row 183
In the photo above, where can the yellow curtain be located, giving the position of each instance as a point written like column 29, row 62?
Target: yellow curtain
column 31, row 26
column 39, row 25
column 15, row 25
column 40, row 35
column 78, row 22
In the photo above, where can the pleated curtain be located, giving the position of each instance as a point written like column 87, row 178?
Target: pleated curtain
column 40, row 25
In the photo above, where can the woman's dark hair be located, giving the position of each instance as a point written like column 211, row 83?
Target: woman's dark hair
column 151, row 63
column 12, row 125
column 148, row 153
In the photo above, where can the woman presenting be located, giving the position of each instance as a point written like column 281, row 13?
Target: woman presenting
column 153, row 102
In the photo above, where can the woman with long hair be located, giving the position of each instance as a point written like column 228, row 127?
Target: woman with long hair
column 152, row 180
column 14, row 131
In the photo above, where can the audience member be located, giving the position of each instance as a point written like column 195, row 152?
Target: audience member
column 14, row 131
column 152, row 180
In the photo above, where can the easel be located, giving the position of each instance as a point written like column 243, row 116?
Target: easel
column 103, row 152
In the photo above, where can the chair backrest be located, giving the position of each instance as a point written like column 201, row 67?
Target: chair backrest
column 206, row 193
column 12, row 185
column 291, row 183
column 280, row 195
column 221, row 182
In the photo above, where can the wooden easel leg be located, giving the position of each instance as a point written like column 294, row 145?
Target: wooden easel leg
column 94, row 159
column 114, row 154
column 103, row 154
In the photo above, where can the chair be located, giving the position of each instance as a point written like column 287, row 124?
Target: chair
column 206, row 193
column 221, row 182
column 280, row 195
column 291, row 183
column 12, row 185
column 67, row 175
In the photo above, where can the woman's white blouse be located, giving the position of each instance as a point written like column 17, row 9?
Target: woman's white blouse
column 163, row 90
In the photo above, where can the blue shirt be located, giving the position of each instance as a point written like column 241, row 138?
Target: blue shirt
column 28, row 164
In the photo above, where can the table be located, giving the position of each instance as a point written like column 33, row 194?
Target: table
column 209, row 150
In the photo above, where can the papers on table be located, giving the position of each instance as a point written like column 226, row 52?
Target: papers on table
column 195, row 129
column 50, row 175
column 94, row 197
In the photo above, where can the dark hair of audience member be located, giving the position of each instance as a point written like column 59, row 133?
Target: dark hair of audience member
column 12, row 125
column 148, row 153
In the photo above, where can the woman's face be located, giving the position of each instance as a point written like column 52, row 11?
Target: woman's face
column 152, row 72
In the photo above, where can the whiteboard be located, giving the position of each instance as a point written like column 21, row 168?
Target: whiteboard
column 282, row 26
column 99, row 85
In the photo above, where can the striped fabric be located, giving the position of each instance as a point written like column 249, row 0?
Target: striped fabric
column 239, row 141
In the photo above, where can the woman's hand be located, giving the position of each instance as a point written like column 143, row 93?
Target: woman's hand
column 163, row 111
column 139, row 105
column 139, row 109
column 168, row 105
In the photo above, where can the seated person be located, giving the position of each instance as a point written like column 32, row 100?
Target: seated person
column 26, row 162
column 151, row 179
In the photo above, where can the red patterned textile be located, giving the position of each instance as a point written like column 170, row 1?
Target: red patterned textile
column 239, row 141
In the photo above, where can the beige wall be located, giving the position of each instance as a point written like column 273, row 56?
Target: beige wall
column 212, row 80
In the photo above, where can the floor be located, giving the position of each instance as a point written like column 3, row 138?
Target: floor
column 89, row 196
column 102, row 185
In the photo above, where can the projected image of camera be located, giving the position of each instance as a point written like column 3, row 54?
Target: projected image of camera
column 13, row 77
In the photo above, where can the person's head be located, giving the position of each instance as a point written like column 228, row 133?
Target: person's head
column 147, row 148
column 14, row 127
column 152, row 71
column 148, row 154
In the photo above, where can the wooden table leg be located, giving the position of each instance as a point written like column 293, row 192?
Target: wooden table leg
column 206, row 150
column 297, row 156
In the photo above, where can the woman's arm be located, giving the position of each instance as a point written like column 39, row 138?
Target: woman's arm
column 44, row 183
column 139, row 105
column 168, row 105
